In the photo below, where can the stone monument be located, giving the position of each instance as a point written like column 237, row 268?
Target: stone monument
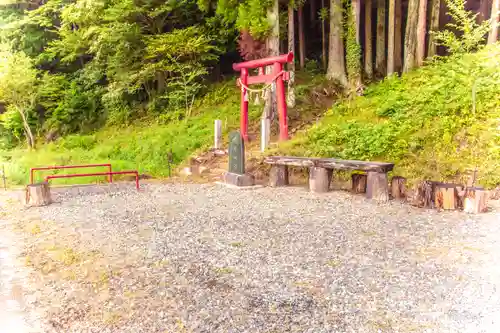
column 236, row 168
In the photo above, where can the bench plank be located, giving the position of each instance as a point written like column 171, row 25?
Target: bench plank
column 330, row 163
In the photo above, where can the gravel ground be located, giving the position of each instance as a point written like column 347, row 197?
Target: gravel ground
column 205, row 258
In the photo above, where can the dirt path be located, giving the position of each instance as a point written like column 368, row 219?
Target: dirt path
column 203, row 258
column 15, row 315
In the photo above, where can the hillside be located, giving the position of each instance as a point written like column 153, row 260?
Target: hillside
column 145, row 145
column 426, row 122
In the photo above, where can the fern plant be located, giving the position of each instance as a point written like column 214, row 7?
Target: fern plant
column 470, row 36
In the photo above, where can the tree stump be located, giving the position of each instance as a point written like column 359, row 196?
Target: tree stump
column 278, row 176
column 475, row 200
column 446, row 196
column 358, row 183
column 319, row 179
column 38, row 194
column 377, row 186
column 495, row 194
column 398, row 187
column 425, row 194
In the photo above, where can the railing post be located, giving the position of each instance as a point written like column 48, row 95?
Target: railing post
column 110, row 173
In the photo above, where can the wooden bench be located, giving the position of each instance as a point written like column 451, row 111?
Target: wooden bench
column 321, row 171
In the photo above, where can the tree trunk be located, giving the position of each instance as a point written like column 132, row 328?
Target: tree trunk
column 421, row 32
column 30, row 139
column 273, row 47
column 336, row 64
column 483, row 11
column 411, row 36
column 356, row 15
column 493, row 35
column 358, row 183
column 312, row 12
column 38, row 194
column 353, row 53
column 368, row 40
column 302, row 45
column 398, row 30
column 291, row 48
column 391, row 37
column 323, row 38
column 380, row 67
column 433, row 27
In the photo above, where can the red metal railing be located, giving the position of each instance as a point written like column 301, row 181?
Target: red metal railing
column 98, row 174
column 59, row 167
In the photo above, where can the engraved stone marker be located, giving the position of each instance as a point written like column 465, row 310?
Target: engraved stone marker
column 236, row 153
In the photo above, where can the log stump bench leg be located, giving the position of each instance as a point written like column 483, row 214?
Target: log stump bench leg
column 377, row 186
column 38, row 194
column 319, row 179
column 358, row 183
column 278, row 176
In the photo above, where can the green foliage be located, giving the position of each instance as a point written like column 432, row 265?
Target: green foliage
column 17, row 91
column 323, row 14
column 425, row 121
column 143, row 147
column 118, row 60
column 252, row 16
column 463, row 34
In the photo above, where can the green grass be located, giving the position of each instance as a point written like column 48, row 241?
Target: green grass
column 424, row 122
column 144, row 146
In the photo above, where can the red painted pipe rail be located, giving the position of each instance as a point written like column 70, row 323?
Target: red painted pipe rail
column 59, row 167
column 98, row 174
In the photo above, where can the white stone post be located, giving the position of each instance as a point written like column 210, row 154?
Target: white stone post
column 265, row 133
column 218, row 134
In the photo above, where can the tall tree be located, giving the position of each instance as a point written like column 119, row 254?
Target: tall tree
column 380, row 45
column 353, row 46
column 336, row 64
column 323, row 16
column 291, row 48
column 421, row 32
column 356, row 16
column 433, row 27
column 302, row 44
column 398, row 37
column 368, row 40
column 411, row 36
column 312, row 12
column 493, row 34
column 273, row 47
column 391, row 37
column 18, row 88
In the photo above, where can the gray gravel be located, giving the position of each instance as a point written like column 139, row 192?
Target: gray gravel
column 205, row 258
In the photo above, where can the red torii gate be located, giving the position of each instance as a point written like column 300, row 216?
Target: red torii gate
column 277, row 74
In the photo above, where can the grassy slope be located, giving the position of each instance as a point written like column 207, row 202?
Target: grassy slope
column 424, row 122
column 144, row 146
